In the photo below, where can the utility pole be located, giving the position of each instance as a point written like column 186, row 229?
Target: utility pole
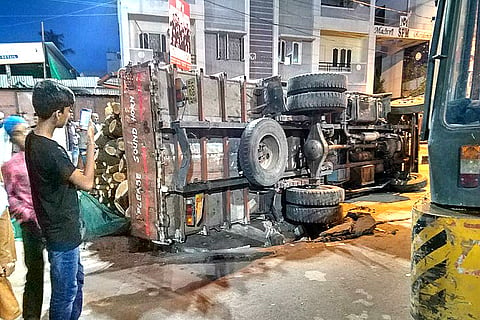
column 44, row 53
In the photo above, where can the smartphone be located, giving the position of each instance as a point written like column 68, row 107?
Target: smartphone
column 85, row 117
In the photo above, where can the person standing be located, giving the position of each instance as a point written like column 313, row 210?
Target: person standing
column 96, row 124
column 5, row 144
column 17, row 185
column 54, row 179
column 9, row 308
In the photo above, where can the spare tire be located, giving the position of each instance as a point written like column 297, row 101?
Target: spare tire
column 313, row 82
column 263, row 152
column 321, row 215
column 414, row 182
column 306, row 103
column 315, row 195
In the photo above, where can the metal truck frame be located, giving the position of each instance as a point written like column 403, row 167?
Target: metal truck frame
column 205, row 152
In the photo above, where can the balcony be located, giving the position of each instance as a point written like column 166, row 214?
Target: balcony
column 331, row 67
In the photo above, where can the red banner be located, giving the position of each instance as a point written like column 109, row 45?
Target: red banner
column 180, row 34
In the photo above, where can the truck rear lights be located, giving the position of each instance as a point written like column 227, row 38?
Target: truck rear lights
column 469, row 166
column 189, row 213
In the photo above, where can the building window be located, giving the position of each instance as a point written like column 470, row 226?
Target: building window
column 282, row 48
column 230, row 47
column 289, row 52
column 338, row 3
column 345, row 58
column 155, row 41
column 296, row 53
column 341, row 61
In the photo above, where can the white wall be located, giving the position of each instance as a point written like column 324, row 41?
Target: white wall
column 392, row 67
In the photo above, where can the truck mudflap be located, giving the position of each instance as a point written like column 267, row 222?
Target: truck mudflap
column 138, row 131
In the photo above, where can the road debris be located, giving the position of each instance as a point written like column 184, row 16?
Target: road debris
column 357, row 222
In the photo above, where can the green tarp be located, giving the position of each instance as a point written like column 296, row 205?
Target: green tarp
column 98, row 220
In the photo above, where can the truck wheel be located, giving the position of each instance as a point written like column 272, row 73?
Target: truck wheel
column 313, row 195
column 321, row 215
column 306, row 103
column 263, row 152
column 316, row 82
column 415, row 182
column 407, row 106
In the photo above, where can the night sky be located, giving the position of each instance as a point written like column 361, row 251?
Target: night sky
column 90, row 28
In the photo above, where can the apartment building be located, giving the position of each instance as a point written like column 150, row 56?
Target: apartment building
column 374, row 42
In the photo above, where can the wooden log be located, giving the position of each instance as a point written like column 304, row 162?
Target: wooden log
column 99, row 172
column 100, row 187
column 115, row 128
column 121, row 197
column 121, row 144
column 122, row 165
column 100, row 165
column 101, row 139
column 114, row 185
column 108, row 109
column 107, row 178
column 119, row 177
column 116, row 107
column 102, row 156
column 111, row 148
column 106, row 126
column 98, row 181
column 112, row 169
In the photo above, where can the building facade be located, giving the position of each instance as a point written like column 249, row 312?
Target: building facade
column 374, row 42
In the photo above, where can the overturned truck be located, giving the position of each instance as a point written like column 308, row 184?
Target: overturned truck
column 205, row 152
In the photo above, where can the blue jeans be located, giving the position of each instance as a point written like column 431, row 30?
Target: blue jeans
column 66, row 275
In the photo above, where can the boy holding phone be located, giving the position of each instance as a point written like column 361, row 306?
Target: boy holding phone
column 54, row 181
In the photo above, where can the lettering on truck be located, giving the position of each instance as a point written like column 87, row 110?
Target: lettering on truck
column 132, row 109
column 135, row 145
column 138, row 195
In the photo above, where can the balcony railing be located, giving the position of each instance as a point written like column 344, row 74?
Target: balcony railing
column 338, row 67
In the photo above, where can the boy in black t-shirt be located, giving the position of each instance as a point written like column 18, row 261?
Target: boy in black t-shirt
column 54, row 180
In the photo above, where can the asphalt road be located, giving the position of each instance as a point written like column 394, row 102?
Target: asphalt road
column 363, row 278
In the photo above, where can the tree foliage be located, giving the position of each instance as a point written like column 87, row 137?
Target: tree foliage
column 57, row 39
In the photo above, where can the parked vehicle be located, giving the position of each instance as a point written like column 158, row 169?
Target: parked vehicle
column 206, row 152
column 445, row 282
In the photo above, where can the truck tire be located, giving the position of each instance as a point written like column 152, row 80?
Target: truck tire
column 313, row 82
column 326, row 101
column 315, row 196
column 263, row 152
column 415, row 182
column 320, row 215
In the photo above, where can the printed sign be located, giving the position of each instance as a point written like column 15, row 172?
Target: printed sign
column 16, row 53
column 180, row 34
column 402, row 32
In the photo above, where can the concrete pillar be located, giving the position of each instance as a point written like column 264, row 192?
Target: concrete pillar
column 317, row 17
column 200, row 34
column 124, row 31
column 276, row 20
column 246, row 42
column 371, row 50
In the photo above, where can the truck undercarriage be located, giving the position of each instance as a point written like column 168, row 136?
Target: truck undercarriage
column 206, row 152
